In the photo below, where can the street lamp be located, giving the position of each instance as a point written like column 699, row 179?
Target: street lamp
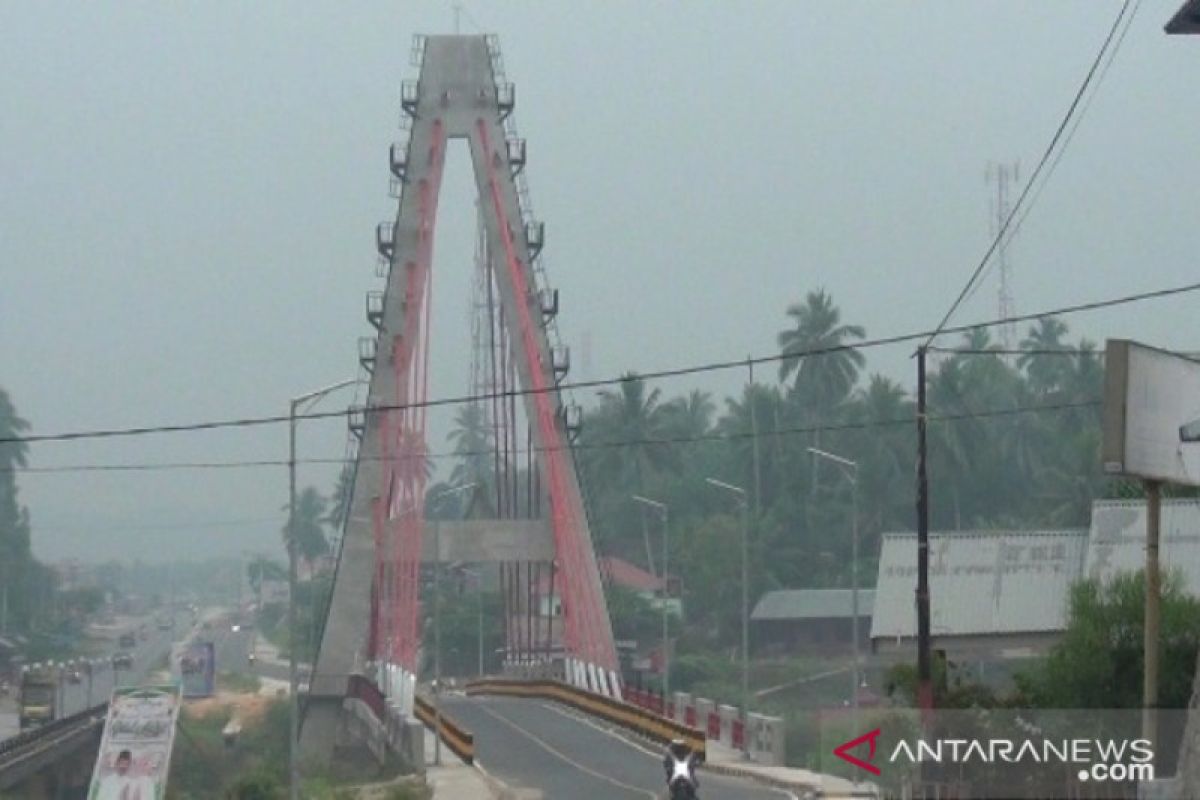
column 437, row 618
column 743, row 501
column 293, row 681
column 850, row 470
column 666, row 662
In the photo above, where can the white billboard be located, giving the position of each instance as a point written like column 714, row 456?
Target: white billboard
column 135, row 753
column 1151, row 414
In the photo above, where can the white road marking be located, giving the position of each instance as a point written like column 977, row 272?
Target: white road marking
column 577, row 717
column 636, row 790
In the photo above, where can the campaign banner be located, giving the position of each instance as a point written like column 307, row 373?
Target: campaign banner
column 197, row 670
column 135, row 751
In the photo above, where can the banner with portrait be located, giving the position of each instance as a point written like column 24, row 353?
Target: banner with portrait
column 135, row 751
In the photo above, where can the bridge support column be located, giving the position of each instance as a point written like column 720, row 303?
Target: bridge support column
column 319, row 734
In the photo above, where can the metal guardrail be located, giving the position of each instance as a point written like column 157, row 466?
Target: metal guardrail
column 17, row 751
column 627, row 715
column 21, row 740
column 460, row 740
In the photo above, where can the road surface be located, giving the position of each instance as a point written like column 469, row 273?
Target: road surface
column 536, row 745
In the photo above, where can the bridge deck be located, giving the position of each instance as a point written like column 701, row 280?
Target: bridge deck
column 533, row 744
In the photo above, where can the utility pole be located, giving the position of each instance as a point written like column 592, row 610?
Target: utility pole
column 924, row 671
column 1153, row 601
column 664, row 517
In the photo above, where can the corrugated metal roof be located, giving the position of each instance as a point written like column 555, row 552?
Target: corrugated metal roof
column 1118, row 539
column 980, row 582
column 788, row 604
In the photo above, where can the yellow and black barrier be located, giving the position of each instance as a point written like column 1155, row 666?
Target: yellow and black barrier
column 460, row 740
column 631, row 717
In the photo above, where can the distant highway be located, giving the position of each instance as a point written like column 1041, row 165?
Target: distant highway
column 147, row 655
column 536, row 745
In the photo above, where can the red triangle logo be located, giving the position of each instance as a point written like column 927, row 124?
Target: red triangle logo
column 841, row 751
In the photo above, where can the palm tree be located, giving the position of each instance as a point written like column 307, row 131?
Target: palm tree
column 12, row 454
column 14, row 519
column 1045, row 370
column 737, row 423
column 472, row 442
column 309, row 532
column 690, row 416
column 339, row 501
column 822, row 379
column 824, row 374
column 632, row 426
column 885, row 455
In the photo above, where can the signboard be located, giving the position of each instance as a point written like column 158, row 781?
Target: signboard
column 1151, row 414
column 135, row 752
column 197, row 670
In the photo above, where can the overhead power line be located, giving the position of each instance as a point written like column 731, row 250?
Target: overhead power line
column 712, row 366
column 1046, row 154
column 714, row 436
column 1078, row 119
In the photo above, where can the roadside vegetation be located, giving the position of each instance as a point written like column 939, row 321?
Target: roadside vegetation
column 254, row 766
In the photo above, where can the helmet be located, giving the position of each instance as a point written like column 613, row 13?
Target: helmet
column 679, row 748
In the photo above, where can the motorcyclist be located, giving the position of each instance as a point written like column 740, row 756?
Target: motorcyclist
column 679, row 762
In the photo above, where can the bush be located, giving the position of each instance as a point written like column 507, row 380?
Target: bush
column 257, row 786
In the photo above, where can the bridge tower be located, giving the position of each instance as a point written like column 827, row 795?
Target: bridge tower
column 373, row 614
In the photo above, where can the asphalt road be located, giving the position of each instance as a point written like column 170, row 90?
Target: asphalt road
column 535, row 745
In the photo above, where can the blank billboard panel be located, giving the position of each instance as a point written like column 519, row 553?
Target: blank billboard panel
column 1151, row 414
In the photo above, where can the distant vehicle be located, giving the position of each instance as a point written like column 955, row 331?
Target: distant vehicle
column 37, row 701
column 122, row 661
column 127, row 641
column 164, row 624
column 74, row 676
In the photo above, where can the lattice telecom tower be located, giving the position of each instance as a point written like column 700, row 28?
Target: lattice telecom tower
column 373, row 617
column 1004, row 176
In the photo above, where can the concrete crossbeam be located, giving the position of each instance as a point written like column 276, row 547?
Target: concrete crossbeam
column 489, row 540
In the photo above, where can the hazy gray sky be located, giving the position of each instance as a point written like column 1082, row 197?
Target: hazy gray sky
column 189, row 195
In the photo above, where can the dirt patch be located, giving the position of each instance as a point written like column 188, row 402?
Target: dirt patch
column 246, row 707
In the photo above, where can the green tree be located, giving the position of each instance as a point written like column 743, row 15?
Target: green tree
column 633, row 424
column 885, row 457
column 822, row 379
column 690, row 416
column 15, row 555
column 823, row 375
column 339, row 501
column 1098, row 662
column 308, row 526
column 473, row 444
column 1046, row 370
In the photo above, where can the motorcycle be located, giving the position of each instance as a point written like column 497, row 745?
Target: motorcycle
column 683, row 789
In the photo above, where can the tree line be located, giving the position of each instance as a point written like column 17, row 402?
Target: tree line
column 1013, row 443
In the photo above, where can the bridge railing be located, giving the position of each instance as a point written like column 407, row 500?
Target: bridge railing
column 460, row 740
column 628, row 715
column 23, row 740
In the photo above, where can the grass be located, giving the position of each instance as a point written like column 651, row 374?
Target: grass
column 238, row 682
